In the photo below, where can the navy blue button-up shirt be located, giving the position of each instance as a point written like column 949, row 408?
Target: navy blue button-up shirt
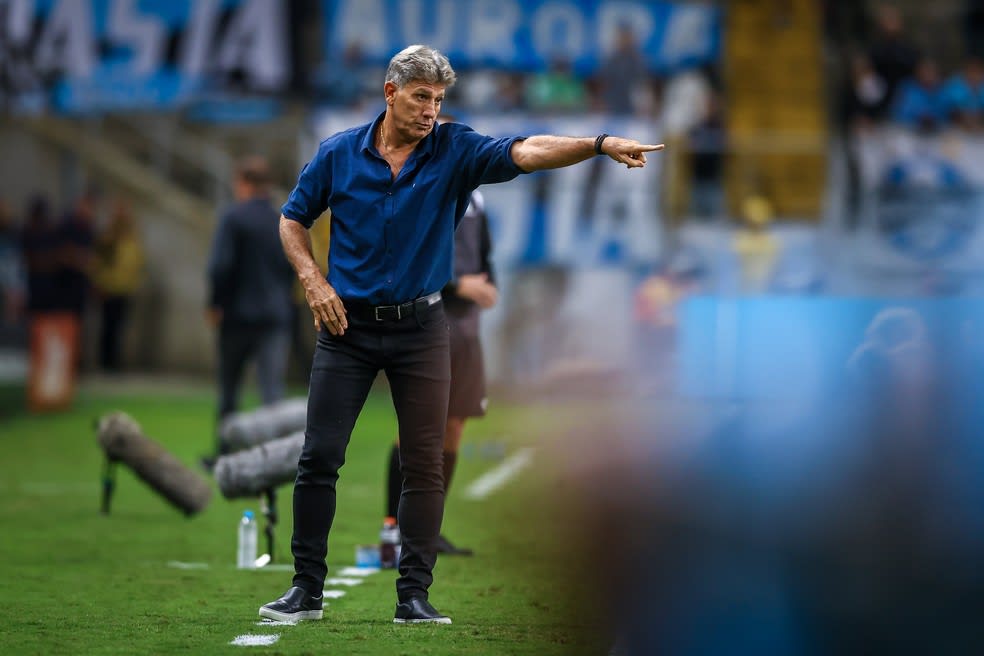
column 393, row 240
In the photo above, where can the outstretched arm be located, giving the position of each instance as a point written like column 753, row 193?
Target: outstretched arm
column 550, row 152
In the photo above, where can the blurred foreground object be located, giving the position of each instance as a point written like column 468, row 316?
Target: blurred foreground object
column 123, row 441
column 244, row 430
column 252, row 472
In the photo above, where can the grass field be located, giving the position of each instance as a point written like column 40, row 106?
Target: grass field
column 77, row 582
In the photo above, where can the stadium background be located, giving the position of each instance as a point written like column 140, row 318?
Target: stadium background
column 813, row 221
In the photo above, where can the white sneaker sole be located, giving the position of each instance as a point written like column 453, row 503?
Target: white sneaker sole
column 436, row 620
column 271, row 614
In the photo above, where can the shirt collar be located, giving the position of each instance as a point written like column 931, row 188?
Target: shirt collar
column 426, row 145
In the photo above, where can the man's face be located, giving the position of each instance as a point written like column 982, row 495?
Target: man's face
column 414, row 108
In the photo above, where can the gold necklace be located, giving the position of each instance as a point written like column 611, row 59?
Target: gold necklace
column 382, row 138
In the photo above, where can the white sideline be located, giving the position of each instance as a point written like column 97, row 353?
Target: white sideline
column 498, row 476
column 343, row 581
column 253, row 640
column 357, row 571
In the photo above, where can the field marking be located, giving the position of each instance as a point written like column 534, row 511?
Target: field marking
column 177, row 564
column 357, row 571
column 278, row 567
column 343, row 581
column 333, row 594
column 498, row 476
column 253, row 640
column 269, row 622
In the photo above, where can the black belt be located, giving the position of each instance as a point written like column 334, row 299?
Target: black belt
column 392, row 312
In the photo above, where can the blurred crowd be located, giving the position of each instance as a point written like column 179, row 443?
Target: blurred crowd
column 88, row 256
column 623, row 84
column 893, row 81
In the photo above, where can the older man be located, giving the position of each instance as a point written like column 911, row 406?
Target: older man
column 396, row 187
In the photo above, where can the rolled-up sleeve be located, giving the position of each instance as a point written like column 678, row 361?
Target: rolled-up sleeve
column 487, row 160
column 309, row 199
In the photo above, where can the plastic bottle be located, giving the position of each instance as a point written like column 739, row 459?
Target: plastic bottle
column 389, row 543
column 246, row 554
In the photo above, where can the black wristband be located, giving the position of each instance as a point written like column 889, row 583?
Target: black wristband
column 598, row 140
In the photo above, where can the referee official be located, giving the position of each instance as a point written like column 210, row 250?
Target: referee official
column 397, row 188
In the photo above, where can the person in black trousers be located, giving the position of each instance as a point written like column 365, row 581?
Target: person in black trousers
column 249, row 298
column 471, row 290
column 397, row 188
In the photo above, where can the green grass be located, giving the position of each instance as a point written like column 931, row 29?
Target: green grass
column 77, row 582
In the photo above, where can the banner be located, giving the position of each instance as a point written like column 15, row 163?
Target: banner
column 524, row 34
column 922, row 199
column 120, row 55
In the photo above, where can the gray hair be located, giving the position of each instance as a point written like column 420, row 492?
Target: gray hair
column 421, row 63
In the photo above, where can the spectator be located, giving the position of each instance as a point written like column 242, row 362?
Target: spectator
column 117, row 276
column 920, row 104
column 342, row 82
column 11, row 268
column 557, row 89
column 708, row 143
column 75, row 243
column 963, row 95
column 620, row 74
column 866, row 98
column 894, row 57
column 688, row 89
column 40, row 250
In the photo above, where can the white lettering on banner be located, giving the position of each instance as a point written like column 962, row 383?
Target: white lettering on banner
column 688, row 33
column 197, row 41
column 67, row 42
column 491, row 28
column 20, row 14
column 441, row 20
column 558, row 30
column 144, row 35
column 364, row 21
column 256, row 42
column 611, row 15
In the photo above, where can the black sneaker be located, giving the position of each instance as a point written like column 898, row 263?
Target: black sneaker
column 295, row 605
column 444, row 546
column 418, row 611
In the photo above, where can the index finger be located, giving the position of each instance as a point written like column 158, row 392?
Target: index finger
column 649, row 147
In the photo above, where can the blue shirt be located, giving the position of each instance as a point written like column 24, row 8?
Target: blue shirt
column 393, row 240
column 915, row 104
column 959, row 96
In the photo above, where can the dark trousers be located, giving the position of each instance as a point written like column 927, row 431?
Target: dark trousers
column 239, row 343
column 115, row 310
column 413, row 351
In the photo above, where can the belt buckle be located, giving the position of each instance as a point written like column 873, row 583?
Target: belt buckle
column 375, row 311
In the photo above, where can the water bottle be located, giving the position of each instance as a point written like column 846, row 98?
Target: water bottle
column 389, row 543
column 246, row 554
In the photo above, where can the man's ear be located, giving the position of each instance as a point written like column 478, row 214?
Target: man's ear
column 389, row 91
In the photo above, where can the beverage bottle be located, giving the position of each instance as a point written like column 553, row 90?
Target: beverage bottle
column 389, row 542
column 246, row 554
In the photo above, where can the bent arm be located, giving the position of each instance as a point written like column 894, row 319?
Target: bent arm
column 326, row 307
column 552, row 152
column 297, row 246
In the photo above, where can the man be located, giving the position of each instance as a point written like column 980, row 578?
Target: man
column 471, row 290
column 250, row 285
column 397, row 187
